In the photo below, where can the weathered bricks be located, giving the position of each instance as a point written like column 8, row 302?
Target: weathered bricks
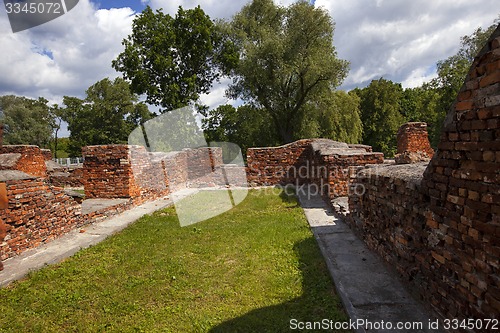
column 413, row 144
column 29, row 159
column 440, row 227
column 322, row 162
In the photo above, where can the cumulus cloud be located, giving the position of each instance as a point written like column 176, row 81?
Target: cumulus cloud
column 398, row 40
column 64, row 56
column 402, row 40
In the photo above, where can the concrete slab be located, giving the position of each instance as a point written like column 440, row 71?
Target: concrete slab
column 94, row 205
column 372, row 295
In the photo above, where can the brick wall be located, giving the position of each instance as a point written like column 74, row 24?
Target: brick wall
column 36, row 213
column 322, row 162
column 29, row 159
column 441, row 227
column 66, row 177
column 413, row 144
column 463, row 183
column 276, row 165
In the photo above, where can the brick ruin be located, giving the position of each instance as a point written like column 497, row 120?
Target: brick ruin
column 326, row 163
column 413, row 144
column 35, row 208
column 438, row 224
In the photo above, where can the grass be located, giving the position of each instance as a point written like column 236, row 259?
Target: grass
column 252, row 269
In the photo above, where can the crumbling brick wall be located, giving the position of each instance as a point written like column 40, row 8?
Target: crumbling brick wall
column 325, row 163
column 463, row 183
column 36, row 213
column 276, row 165
column 413, row 137
column 28, row 159
column 441, row 227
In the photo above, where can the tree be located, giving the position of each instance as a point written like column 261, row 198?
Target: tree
column 173, row 60
column 287, row 60
column 245, row 126
column 334, row 115
column 452, row 71
column 380, row 114
column 27, row 121
column 106, row 116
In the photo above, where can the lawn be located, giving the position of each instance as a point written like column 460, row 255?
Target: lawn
column 252, row 269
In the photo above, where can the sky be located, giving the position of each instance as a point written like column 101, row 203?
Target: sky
column 395, row 39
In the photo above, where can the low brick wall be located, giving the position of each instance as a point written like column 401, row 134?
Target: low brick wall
column 325, row 163
column 36, row 213
column 389, row 211
column 66, row 177
column 276, row 165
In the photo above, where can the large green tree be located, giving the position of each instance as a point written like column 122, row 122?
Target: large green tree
column 107, row 115
column 380, row 114
column 334, row 115
column 287, row 60
column 27, row 121
column 172, row 60
column 245, row 126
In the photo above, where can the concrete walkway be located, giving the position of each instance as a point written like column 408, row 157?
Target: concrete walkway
column 369, row 291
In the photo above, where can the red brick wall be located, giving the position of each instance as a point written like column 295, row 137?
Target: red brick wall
column 441, row 227
column 36, row 213
column 31, row 161
column 323, row 162
column 413, row 137
column 275, row 165
column 463, row 183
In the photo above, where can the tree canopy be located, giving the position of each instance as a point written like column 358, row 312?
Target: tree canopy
column 380, row 114
column 172, row 60
column 287, row 60
column 107, row 115
column 27, row 121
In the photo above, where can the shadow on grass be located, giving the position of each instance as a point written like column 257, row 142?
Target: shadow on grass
column 317, row 303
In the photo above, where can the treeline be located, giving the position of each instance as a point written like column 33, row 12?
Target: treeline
column 285, row 76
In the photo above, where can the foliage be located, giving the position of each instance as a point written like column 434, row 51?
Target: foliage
column 106, row 116
column 334, row 115
column 287, row 60
column 380, row 114
column 248, row 270
column 452, row 72
column 173, row 60
column 27, row 121
column 245, row 126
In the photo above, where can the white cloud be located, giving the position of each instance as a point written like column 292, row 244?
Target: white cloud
column 400, row 40
column 64, row 56
column 396, row 39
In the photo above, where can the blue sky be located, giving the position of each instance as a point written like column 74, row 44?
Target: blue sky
column 395, row 39
column 136, row 5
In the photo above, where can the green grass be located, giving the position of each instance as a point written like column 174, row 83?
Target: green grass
column 251, row 269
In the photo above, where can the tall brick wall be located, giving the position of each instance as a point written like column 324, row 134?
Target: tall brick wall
column 29, row 159
column 463, row 183
column 441, row 227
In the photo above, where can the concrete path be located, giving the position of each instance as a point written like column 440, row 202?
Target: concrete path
column 369, row 291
